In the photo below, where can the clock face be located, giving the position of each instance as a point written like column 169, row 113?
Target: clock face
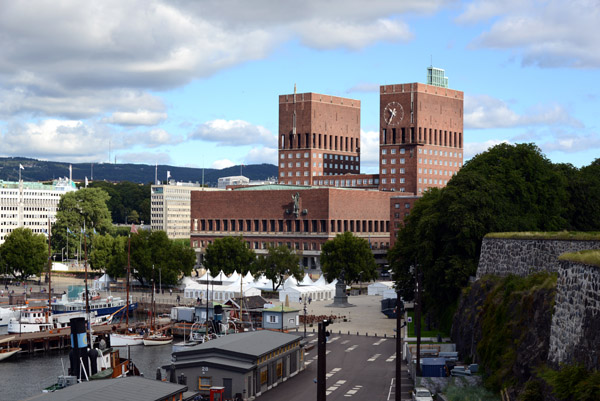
column 393, row 113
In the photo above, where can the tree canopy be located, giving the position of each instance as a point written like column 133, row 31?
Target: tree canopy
column 229, row 254
column 507, row 188
column 348, row 258
column 170, row 259
column 24, row 253
column 279, row 262
column 74, row 208
column 129, row 202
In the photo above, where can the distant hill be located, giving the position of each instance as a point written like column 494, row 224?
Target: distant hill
column 38, row 170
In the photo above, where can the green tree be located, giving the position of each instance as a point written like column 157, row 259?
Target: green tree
column 507, row 188
column 133, row 217
column 24, row 253
column 348, row 258
column 229, row 254
column 74, row 208
column 279, row 262
column 155, row 256
column 102, row 251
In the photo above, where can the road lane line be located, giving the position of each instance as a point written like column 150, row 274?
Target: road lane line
column 373, row 358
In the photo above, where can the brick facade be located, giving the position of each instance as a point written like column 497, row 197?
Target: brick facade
column 267, row 217
column 319, row 135
column 421, row 146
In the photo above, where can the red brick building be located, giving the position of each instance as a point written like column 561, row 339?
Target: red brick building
column 273, row 215
column 319, row 136
column 421, row 146
column 421, row 136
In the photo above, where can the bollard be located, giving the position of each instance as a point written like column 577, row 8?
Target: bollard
column 375, row 335
column 384, row 335
column 348, row 332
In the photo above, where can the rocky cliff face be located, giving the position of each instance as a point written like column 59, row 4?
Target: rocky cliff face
column 504, row 325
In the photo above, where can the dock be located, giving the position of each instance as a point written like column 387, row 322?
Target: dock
column 60, row 339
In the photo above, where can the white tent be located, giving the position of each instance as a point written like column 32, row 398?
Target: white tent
column 102, row 283
column 234, row 276
column 307, row 280
column 379, row 287
column 217, row 292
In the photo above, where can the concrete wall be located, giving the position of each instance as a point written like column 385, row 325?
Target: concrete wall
column 575, row 330
column 524, row 256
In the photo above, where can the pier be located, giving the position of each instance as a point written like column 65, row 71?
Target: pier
column 60, row 339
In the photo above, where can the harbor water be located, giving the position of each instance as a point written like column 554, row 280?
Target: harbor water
column 23, row 376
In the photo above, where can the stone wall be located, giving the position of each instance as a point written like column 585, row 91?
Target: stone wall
column 522, row 257
column 575, row 330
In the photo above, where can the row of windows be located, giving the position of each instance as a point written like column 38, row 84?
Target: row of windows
column 306, row 246
column 435, row 172
column 392, row 171
column 425, row 135
column 319, row 141
column 321, row 156
column 393, row 181
column 393, row 161
column 298, row 226
column 440, row 162
column 441, row 153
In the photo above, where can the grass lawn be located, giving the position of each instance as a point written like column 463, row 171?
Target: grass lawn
column 424, row 333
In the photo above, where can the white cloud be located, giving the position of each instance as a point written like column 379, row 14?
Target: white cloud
column 472, row 149
column 323, row 34
column 570, row 142
column 369, row 151
column 484, row 111
column 77, row 140
column 139, row 117
column 221, row 164
column 262, row 155
column 233, row 133
column 552, row 33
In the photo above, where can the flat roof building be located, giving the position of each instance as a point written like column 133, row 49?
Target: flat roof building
column 30, row 204
column 246, row 364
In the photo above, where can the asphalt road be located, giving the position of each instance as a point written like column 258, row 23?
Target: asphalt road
column 358, row 368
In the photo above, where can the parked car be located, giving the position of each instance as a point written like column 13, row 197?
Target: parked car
column 421, row 394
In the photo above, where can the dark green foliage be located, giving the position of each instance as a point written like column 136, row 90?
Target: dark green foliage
column 129, row 202
column 170, row 259
column 278, row 263
column 532, row 391
column 38, row 170
column 23, row 253
column 507, row 188
column 229, row 254
column 506, row 319
column 572, row 382
column 87, row 205
column 349, row 258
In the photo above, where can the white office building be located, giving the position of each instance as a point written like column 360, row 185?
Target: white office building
column 170, row 208
column 30, row 204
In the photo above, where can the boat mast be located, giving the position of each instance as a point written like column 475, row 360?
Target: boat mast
column 87, row 294
column 153, row 306
column 128, row 268
column 49, row 271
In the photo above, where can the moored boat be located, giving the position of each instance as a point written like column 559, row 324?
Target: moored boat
column 157, row 339
column 123, row 340
column 6, row 352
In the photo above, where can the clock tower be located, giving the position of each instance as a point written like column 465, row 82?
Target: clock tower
column 420, row 136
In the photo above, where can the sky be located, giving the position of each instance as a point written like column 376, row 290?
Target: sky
column 196, row 83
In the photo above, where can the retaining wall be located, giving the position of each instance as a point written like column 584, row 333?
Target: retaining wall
column 522, row 257
column 575, row 330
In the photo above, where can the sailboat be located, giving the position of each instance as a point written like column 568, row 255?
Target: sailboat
column 156, row 337
column 130, row 338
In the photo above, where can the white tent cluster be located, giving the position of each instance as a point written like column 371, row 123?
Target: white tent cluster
column 230, row 287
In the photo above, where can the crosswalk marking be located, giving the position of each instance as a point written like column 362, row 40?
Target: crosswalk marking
column 333, row 372
column 380, row 341
column 391, row 358
column 352, row 391
column 335, row 387
column 373, row 358
column 345, row 342
column 351, row 348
